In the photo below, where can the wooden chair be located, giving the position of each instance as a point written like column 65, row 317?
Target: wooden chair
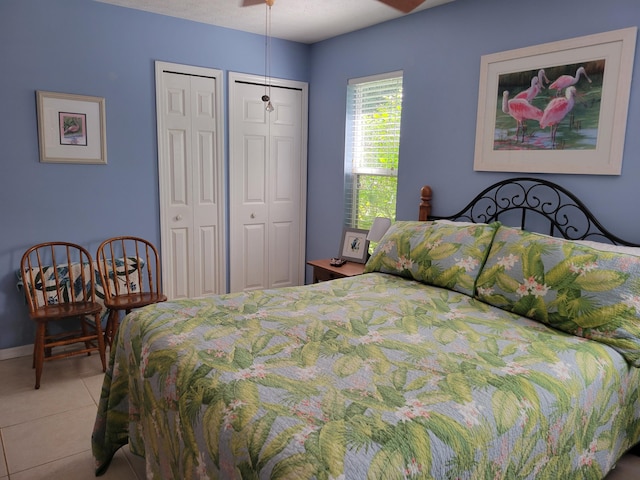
column 130, row 274
column 59, row 284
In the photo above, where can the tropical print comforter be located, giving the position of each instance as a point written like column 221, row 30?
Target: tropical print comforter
column 369, row 377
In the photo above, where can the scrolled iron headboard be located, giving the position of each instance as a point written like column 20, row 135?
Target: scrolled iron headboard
column 526, row 201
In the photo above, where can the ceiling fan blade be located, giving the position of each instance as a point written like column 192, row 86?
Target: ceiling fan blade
column 404, row 6
column 249, row 3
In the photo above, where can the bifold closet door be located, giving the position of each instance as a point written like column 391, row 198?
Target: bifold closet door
column 191, row 182
column 267, row 186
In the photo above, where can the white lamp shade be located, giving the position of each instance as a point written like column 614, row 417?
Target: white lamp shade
column 378, row 229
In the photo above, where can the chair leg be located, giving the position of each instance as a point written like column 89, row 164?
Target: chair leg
column 111, row 328
column 101, row 347
column 85, row 332
column 38, row 352
column 48, row 350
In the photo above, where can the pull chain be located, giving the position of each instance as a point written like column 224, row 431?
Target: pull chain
column 267, row 59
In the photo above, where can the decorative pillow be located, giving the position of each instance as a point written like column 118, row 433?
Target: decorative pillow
column 46, row 287
column 133, row 266
column 442, row 254
column 575, row 288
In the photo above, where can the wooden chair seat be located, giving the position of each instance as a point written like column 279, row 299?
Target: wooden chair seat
column 130, row 272
column 59, row 287
column 129, row 301
column 66, row 310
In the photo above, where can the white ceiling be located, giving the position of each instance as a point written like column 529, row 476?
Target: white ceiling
column 305, row 21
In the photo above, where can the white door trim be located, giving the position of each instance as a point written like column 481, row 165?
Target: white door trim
column 163, row 182
column 303, row 87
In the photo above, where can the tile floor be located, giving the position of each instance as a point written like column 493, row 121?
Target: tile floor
column 46, row 433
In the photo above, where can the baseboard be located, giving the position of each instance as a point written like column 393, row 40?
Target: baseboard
column 15, row 352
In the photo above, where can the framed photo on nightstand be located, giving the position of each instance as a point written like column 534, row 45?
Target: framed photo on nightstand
column 354, row 245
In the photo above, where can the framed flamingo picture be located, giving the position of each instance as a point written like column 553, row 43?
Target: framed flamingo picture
column 556, row 108
column 71, row 128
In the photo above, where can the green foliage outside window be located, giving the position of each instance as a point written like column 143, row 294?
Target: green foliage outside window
column 376, row 198
column 376, row 142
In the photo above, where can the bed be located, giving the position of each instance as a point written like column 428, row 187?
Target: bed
column 468, row 349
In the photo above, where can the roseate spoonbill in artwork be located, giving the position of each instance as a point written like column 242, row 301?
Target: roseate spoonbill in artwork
column 564, row 81
column 537, row 84
column 520, row 110
column 556, row 110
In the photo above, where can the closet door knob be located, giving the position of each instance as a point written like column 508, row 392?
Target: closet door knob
column 178, row 217
column 253, row 215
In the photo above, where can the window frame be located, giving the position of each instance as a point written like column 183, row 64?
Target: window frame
column 353, row 172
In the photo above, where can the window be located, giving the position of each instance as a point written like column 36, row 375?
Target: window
column 374, row 107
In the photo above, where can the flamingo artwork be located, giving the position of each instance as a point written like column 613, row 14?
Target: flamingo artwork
column 556, row 110
column 565, row 81
column 520, row 110
column 537, row 84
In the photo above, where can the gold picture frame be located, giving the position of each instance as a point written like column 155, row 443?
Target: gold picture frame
column 71, row 128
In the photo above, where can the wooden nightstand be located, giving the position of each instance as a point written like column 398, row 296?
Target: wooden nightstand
column 322, row 271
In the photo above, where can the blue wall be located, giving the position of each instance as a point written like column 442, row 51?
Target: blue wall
column 86, row 47
column 90, row 48
column 439, row 51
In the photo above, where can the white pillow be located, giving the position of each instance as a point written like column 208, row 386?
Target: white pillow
column 455, row 222
column 608, row 247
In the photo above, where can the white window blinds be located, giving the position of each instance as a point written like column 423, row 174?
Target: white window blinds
column 374, row 108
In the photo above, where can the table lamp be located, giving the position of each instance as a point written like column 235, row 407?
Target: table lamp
column 378, row 229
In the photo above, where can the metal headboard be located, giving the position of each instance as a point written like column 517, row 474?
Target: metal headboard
column 532, row 204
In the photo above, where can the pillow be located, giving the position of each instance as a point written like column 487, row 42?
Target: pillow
column 133, row 266
column 45, row 286
column 436, row 253
column 608, row 247
column 575, row 288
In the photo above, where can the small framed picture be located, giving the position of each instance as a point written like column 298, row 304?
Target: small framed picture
column 71, row 128
column 354, row 245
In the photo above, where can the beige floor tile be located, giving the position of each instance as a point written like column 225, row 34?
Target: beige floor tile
column 44, row 440
column 79, row 467
column 18, row 375
column 94, row 386
column 3, row 464
column 137, row 463
column 628, row 468
column 54, row 397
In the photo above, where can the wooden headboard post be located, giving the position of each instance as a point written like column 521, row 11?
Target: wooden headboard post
column 425, row 203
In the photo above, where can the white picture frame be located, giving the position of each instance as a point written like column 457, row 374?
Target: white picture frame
column 596, row 149
column 354, row 246
column 71, row 128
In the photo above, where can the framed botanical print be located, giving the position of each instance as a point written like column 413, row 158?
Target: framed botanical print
column 355, row 245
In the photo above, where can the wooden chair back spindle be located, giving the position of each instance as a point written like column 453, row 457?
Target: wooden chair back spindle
column 136, row 286
column 56, row 295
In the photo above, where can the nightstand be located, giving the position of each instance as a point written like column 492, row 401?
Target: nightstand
column 322, row 271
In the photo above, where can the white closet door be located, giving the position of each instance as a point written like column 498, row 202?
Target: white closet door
column 267, row 181
column 191, row 180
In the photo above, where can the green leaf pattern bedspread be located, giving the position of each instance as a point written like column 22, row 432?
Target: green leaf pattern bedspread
column 369, row 377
